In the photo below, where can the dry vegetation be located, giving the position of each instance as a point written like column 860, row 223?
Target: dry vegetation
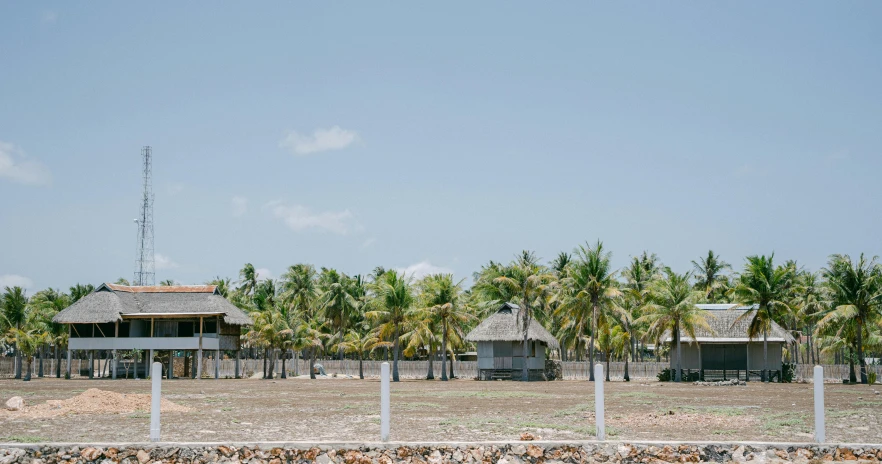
column 344, row 410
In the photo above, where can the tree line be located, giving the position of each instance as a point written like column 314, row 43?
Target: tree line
column 594, row 310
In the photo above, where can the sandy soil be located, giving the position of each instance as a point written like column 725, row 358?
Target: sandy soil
column 344, row 410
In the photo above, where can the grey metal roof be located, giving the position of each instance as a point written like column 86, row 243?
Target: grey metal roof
column 506, row 325
column 109, row 304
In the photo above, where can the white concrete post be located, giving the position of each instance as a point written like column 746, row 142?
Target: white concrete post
column 598, row 402
column 384, row 402
column 150, row 363
column 68, row 363
column 820, row 432
column 155, row 396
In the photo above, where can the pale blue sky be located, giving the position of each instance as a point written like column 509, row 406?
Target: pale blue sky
column 448, row 134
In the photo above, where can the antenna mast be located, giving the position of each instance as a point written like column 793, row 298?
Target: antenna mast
column 144, row 263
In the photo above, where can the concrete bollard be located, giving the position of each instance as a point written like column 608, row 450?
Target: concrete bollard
column 384, row 402
column 820, row 430
column 598, row 402
column 156, row 394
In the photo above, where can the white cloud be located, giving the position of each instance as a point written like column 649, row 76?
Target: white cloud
column 334, row 138
column 422, row 269
column 16, row 166
column 239, row 206
column 298, row 218
column 164, row 262
column 49, row 17
column 174, row 188
column 13, row 280
column 263, row 273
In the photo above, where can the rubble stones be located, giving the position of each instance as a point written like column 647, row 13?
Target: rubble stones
column 16, row 403
column 722, row 383
column 477, row 453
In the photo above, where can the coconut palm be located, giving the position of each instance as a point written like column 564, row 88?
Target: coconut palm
column 248, row 279
column 271, row 330
column 592, row 288
column 394, row 299
column 359, row 342
column 671, row 310
column 46, row 304
column 444, row 302
column 79, row 290
column 639, row 276
column 15, row 303
column 856, row 293
column 810, row 302
column 710, row 276
column 337, row 304
column 764, row 288
column 167, row 283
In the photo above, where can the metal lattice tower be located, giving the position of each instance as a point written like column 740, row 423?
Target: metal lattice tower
column 144, row 263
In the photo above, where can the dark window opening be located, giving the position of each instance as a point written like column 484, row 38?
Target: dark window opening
column 209, row 327
column 186, row 329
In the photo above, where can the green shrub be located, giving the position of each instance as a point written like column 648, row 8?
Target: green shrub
column 667, row 375
column 788, row 370
column 871, row 377
column 664, row 375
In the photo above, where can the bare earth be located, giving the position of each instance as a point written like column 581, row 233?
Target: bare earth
column 348, row 410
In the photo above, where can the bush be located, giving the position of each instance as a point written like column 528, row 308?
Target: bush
column 664, row 375
column 667, row 375
column 871, row 377
column 787, row 372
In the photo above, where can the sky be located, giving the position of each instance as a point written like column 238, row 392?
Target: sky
column 434, row 137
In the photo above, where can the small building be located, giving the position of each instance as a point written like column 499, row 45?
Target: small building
column 727, row 352
column 500, row 340
column 181, row 319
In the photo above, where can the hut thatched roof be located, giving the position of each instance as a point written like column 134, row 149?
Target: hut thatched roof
column 506, row 325
column 110, row 302
column 722, row 319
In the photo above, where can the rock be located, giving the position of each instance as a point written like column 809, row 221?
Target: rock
column 111, row 453
column 527, row 436
column 225, row 450
column 143, row 456
column 91, row 454
column 535, row 451
column 323, row 459
column 16, row 403
column 519, row 450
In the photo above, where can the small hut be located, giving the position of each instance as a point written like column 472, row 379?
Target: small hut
column 726, row 351
column 500, row 340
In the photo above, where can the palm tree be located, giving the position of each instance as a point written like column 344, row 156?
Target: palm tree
column 46, row 304
column 224, row 286
column 593, row 288
column 394, row 298
column 15, row 303
column 79, row 290
column 809, row 302
column 122, row 281
column 271, row 329
column 765, row 288
column 526, row 283
column 167, row 283
column 359, row 343
column 639, row 276
column 856, row 291
column 672, row 309
column 710, row 277
column 337, row 304
column 248, row 279
column 444, row 302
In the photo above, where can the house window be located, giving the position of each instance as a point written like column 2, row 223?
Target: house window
column 186, row 329
column 209, row 326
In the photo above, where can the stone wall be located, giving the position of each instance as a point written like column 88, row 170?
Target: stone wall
column 436, row 453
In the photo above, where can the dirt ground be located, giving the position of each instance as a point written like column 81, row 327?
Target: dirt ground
column 348, row 410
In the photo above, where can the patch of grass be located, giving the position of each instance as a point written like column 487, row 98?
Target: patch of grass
column 23, row 439
column 575, row 410
column 867, row 404
column 723, row 432
column 586, row 430
column 11, row 393
column 416, row 406
column 492, row 394
column 713, row 410
column 832, row 413
column 226, row 409
column 213, row 400
column 781, row 422
column 139, row 415
column 638, row 394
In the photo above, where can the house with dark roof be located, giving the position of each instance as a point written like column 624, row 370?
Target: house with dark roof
column 185, row 319
column 726, row 351
column 500, row 340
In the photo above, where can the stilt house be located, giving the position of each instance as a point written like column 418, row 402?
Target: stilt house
column 181, row 319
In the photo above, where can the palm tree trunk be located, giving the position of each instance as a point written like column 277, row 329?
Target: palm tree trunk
column 591, row 341
column 860, row 351
column 312, row 363
column 264, row 363
column 57, row 363
column 627, row 377
column 284, row 358
column 17, row 360
column 27, row 376
column 765, row 356
column 525, row 371
column 679, row 374
column 444, row 351
column 360, row 366
column 395, row 377
column 851, row 375
column 450, row 363
column 430, row 375
column 607, row 366
column 42, row 352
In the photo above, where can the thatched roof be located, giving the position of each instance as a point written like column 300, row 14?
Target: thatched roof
column 506, row 325
column 722, row 319
column 110, row 302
